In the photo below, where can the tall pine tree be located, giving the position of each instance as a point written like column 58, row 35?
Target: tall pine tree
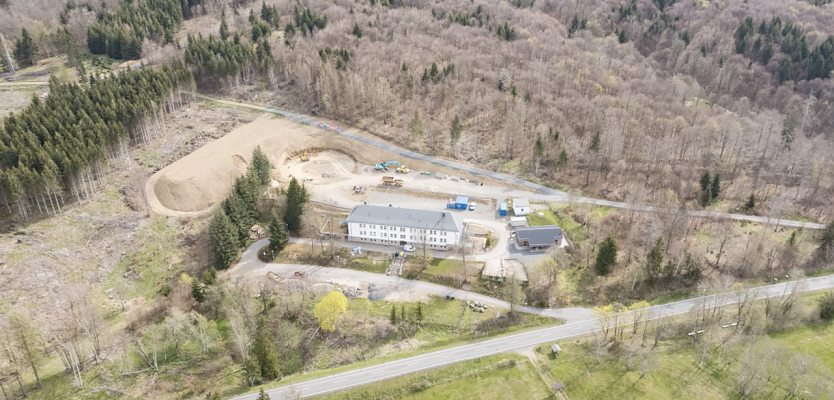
column 264, row 350
column 607, row 256
column 261, row 166
column 654, row 262
column 25, row 49
column 223, row 240
column 262, row 395
column 715, row 187
column 706, row 189
column 278, row 237
column 296, row 197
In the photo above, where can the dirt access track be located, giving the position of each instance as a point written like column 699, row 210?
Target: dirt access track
column 194, row 184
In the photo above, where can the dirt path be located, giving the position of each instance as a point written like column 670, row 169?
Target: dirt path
column 197, row 182
column 251, row 266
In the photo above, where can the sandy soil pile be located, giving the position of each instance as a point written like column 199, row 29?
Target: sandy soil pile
column 194, row 184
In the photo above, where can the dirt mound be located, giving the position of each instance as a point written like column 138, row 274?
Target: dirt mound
column 194, row 184
column 201, row 179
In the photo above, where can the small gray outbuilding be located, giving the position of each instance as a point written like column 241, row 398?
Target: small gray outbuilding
column 539, row 238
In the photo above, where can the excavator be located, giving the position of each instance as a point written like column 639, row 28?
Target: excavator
column 306, row 155
column 384, row 166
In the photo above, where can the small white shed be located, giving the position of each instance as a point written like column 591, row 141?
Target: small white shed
column 518, row 221
column 555, row 349
column 521, row 206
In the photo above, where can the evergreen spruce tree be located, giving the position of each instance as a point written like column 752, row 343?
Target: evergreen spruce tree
column 239, row 217
column 563, row 158
column 419, row 311
column 270, row 15
column 416, row 125
column 224, row 27
column 654, row 262
column 785, row 70
column 393, row 317
column 278, row 237
column 197, row 292
column 25, row 49
column 261, row 166
column 262, row 395
column 826, row 247
column 296, row 197
column 751, row 202
column 706, row 189
column 715, row 187
column 792, row 239
column 357, row 31
column 264, row 350
column 210, row 276
column 607, row 256
column 456, row 130
column 767, row 53
column 789, row 129
column 621, row 37
column 223, row 240
column 248, row 187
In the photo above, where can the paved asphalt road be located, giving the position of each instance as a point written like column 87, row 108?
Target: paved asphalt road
column 453, row 355
column 538, row 193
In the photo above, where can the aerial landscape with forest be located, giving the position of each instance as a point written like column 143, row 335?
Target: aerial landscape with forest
column 417, row 199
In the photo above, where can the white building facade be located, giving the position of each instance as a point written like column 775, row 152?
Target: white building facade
column 439, row 230
column 521, row 206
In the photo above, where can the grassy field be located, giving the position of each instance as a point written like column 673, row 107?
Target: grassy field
column 673, row 369
column 443, row 271
column 151, row 262
column 445, row 324
column 672, row 373
column 506, row 376
column 573, row 231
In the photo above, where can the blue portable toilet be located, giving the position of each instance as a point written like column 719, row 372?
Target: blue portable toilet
column 461, row 202
column 503, row 210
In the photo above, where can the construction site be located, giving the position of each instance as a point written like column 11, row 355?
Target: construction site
column 332, row 165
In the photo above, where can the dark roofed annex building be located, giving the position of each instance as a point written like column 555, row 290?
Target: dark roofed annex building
column 539, row 238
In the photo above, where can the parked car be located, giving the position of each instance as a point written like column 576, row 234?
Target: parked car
column 408, row 247
column 472, row 206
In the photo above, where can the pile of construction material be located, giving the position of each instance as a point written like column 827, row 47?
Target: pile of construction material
column 351, row 292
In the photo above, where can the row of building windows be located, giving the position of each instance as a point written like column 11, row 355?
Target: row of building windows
column 393, row 228
column 394, row 236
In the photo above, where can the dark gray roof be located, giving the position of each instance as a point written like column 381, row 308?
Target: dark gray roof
column 406, row 217
column 542, row 235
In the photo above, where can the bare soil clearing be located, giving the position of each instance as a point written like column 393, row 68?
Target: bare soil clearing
column 86, row 248
column 200, row 180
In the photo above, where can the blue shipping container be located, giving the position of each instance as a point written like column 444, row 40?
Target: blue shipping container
column 503, row 210
column 461, row 202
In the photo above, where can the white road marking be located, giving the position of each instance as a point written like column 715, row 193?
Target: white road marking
column 450, row 355
column 414, row 363
column 514, row 341
column 376, row 372
column 546, row 334
column 341, row 380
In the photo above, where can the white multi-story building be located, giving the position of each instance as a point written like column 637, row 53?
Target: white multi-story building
column 400, row 226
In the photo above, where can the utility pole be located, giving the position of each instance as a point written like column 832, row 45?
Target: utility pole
column 6, row 49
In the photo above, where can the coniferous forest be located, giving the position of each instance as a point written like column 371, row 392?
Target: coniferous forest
column 65, row 143
column 120, row 34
